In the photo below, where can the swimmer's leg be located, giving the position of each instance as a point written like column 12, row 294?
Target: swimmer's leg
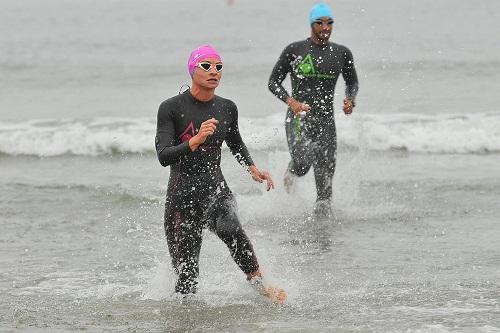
column 228, row 228
column 325, row 158
column 299, row 147
column 184, row 238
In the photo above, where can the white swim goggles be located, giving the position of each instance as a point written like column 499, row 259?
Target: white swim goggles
column 207, row 66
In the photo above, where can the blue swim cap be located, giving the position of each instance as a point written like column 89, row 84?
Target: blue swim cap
column 319, row 10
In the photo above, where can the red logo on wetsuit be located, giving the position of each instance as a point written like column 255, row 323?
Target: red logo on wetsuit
column 188, row 133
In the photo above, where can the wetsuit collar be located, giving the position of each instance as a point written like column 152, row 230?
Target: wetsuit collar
column 321, row 46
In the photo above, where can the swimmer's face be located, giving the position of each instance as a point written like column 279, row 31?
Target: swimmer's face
column 208, row 73
column 322, row 28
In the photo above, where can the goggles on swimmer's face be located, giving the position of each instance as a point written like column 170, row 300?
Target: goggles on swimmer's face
column 207, row 66
column 320, row 22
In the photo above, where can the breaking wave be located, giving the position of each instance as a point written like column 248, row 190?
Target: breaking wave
column 465, row 134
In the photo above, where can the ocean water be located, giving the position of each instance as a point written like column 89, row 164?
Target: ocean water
column 413, row 243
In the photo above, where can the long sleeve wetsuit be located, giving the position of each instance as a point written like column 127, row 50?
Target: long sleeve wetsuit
column 314, row 70
column 198, row 195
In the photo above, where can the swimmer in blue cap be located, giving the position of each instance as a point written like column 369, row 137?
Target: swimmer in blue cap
column 314, row 66
column 321, row 21
column 319, row 11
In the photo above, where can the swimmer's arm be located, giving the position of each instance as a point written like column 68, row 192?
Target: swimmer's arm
column 235, row 142
column 280, row 71
column 350, row 77
column 240, row 151
column 167, row 149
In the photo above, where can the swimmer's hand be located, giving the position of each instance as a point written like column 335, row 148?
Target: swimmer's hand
column 207, row 128
column 348, row 106
column 260, row 176
column 298, row 108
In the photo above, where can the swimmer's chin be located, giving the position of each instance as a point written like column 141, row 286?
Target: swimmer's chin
column 214, row 83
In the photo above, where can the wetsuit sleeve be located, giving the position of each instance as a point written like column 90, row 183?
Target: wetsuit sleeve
column 167, row 149
column 280, row 71
column 350, row 76
column 235, row 142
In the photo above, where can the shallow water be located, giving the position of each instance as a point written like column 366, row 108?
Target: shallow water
column 83, row 248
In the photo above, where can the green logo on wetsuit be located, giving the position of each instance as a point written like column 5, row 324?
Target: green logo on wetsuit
column 306, row 68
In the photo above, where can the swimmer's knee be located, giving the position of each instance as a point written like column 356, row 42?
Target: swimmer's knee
column 227, row 226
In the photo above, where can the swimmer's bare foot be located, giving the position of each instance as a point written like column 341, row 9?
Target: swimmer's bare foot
column 275, row 294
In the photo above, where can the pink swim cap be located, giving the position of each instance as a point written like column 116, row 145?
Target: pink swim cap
column 200, row 53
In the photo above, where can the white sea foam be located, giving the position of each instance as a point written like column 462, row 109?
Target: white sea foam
column 438, row 328
column 478, row 133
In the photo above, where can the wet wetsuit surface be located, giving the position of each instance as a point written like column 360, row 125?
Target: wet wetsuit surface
column 314, row 71
column 197, row 194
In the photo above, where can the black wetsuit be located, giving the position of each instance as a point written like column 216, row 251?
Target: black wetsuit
column 314, row 70
column 197, row 194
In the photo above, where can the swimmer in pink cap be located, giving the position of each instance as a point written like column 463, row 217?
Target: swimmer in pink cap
column 201, row 53
column 205, row 67
column 191, row 129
